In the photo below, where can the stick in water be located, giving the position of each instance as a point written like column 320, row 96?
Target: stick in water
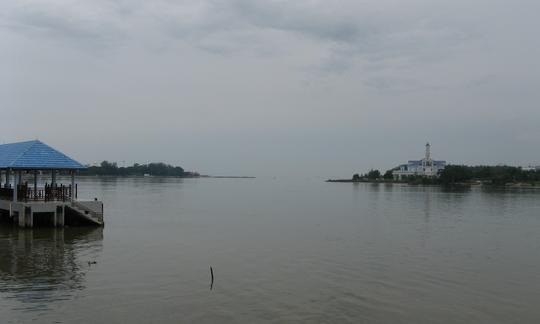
column 212, row 275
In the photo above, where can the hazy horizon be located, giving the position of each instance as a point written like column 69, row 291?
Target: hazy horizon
column 268, row 88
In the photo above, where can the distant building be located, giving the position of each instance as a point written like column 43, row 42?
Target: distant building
column 425, row 167
column 531, row 168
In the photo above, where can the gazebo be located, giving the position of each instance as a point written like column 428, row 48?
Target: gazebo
column 35, row 157
column 23, row 161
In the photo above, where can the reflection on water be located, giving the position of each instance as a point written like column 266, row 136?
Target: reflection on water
column 40, row 266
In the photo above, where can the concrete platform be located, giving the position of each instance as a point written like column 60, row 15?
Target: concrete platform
column 53, row 213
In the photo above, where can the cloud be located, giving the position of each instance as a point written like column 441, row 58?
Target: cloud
column 310, row 19
column 373, row 72
column 73, row 22
column 343, row 32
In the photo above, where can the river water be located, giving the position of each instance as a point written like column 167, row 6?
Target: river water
column 282, row 251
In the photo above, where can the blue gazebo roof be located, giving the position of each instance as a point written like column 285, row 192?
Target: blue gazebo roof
column 35, row 155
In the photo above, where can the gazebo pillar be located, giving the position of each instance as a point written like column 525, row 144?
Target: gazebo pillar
column 53, row 176
column 35, row 183
column 73, row 185
column 15, row 183
column 7, row 178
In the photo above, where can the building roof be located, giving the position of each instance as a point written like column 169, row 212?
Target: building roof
column 35, row 155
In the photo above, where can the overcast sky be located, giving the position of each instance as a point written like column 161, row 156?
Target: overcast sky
column 315, row 88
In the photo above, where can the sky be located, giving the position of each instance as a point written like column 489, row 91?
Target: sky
column 273, row 88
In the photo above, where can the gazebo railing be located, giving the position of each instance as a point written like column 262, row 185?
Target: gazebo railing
column 50, row 192
column 6, row 193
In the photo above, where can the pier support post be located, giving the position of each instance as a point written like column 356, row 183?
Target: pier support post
column 59, row 218
column 21, row 218
column 63, row 217
column 29, row 215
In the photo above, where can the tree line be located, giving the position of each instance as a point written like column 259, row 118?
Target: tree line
column 154, row 169
column 498, row 175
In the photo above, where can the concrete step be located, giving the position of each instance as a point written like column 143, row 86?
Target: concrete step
column 87, row 213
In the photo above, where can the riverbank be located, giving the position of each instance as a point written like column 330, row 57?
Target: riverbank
column 451, row 175
column 358, row 181
column 185, row 176
column 435, row 182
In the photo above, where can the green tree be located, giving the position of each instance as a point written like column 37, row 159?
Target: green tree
column 374, row 174
column 455, row 173
column 157, row 169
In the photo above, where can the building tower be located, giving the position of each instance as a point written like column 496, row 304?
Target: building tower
column 428, row 152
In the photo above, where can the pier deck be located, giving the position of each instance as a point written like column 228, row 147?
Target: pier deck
column 53, row 213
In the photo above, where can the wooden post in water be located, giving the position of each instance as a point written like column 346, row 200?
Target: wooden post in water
column 212, row 277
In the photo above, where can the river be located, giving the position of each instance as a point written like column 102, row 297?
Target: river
column 282, row 251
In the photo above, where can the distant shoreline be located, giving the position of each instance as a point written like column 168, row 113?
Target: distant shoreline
column 457, row 175
column 156, row 169
column 163, row 176
column 228, row 177
column 365, row 181
column 456, row 184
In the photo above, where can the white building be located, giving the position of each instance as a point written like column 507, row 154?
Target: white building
column 425, row 167
column 531, row 168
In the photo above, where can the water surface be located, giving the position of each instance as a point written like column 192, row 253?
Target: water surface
column 282, row 251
